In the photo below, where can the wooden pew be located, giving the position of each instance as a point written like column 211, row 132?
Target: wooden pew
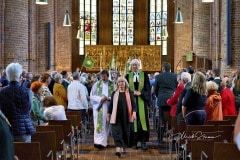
column 27, row 151
column 67, row 128
column 231, row 118
column 202, row 150
column 225, row 151
column 67, row 132
column 58, row 129
column 228, row 132
column 217, row 123
column 47, row 142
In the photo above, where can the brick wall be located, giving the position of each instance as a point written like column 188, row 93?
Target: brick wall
column 45, row 14
column 2, row 38
column 63, row 37
column 235, row 34
column 16, row 32
column 183, row 33
column 201, row 28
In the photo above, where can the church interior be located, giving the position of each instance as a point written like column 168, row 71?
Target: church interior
column 94, row 35
column 34, row 35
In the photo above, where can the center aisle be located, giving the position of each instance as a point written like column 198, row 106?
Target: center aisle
column 88, row 151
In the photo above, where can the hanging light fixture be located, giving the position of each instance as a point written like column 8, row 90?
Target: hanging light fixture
column 66, row 21
column 207, row 1
column 179, row 18
column 41, row 2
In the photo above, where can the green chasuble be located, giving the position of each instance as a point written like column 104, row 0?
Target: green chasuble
column 140, row 101
column 100, row 112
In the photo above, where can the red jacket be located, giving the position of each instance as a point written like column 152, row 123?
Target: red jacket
column 172, row 101
column 228, row 102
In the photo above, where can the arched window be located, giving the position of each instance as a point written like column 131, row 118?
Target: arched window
column 158, row 24
column 87, row 33
column 123, row 22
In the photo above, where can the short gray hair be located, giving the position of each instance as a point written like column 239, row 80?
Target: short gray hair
column 76, row 75
column 14, row 70
column 186, row 77
column 58, row 77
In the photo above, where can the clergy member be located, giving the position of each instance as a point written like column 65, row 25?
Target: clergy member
column 140, row 85
column 100, row 98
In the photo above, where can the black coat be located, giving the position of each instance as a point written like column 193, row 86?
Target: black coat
column 165, row 85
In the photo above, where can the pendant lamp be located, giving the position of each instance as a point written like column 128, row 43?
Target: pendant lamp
column 41, row 2
column 66, row 21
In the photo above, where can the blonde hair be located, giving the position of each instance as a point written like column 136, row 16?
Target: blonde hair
column 122, row 78
column 199, row 83
column 212, row 86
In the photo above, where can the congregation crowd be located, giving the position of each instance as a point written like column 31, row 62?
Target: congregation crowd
column 119, row 103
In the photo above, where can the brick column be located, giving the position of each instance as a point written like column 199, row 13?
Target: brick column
column 16, row 32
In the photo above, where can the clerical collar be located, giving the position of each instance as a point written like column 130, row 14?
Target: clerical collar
column 136, row 73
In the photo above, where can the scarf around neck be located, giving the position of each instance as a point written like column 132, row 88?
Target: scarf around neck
column 115, row 105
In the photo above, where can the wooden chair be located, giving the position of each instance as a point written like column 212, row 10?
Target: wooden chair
column 227, row 131
column 27, row 151
column 202, row 128
column 181, row 126
column 78, row 114
column 191, row 131
column 174, row 126
column 67, row 128
column 216, row 136
column 58, row 129
column 202, row 150
column 217, row 123
column 202, row 145
column 67, row 132
column 224, row 151
column 76, row 130
column 231, row 118
column 47, row 142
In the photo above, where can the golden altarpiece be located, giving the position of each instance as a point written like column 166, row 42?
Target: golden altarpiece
column 150, row 56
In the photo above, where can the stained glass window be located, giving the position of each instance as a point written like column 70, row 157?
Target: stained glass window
column 158, row 24
column 123, row 22
column 87, row 32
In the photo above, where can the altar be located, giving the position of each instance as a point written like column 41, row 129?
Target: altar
column 102, row 55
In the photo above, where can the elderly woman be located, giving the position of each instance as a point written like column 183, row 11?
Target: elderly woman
column 214, row 102
column 37, row 107
column 52, row 110
column 59, row 92
column 121, row 111
column 193, row 106
column 228, row 98
column 172, row 101
column 15, row 103
column 45, row 79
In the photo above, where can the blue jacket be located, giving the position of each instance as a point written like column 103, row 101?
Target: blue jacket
column 15, row 103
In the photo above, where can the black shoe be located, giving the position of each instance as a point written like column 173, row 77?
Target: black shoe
column 99, row 146
column 124, row 151
column 118, row 154
column 144, row 146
